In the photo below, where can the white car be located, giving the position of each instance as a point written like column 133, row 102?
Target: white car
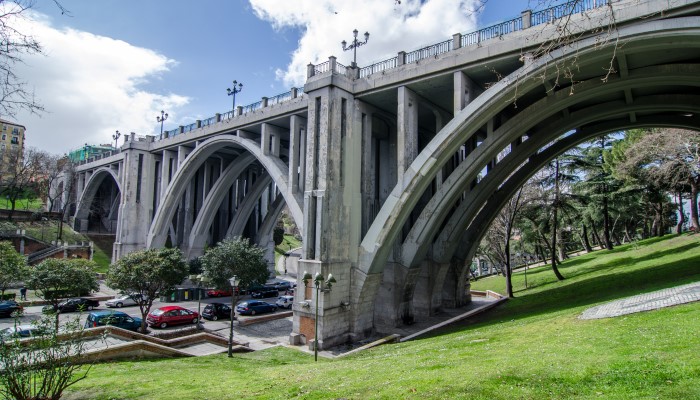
column 124, row 300
column 285, row 302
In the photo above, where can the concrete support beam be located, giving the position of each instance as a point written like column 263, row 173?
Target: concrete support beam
column 407, row 135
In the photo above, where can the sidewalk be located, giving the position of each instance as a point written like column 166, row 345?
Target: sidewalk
column 645, row 302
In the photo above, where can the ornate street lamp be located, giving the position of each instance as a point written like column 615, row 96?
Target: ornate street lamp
column 318, row 281
column 161, row 119
column 354, row 45
column 237, row 87
column 234, row 283
column 116, row 137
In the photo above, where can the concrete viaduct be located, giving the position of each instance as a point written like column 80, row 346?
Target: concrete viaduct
column 394, row 171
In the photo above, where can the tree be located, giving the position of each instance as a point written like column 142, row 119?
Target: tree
column 13, row 266
column 670, row 160
column 18, row 172
column 278, row 235
column 235, row 257
column 44, row 366
column 148, row 273
column 56, row 278
column 14, row 95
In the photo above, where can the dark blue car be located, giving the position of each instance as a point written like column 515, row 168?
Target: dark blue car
column 113, row 318
column 252, row 307
column 7, row 307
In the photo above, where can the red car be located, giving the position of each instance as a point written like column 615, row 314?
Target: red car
column 219, row 292
column 171, row 315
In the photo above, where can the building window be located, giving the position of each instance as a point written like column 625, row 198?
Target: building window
column 15, row 131
column 4, row 136
column 15, row 140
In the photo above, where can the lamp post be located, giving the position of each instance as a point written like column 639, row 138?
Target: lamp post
column 234, row 283
column 354, row 45
column 318, row 281
column 237, row 87
column 116, row 136
column 198, row 280
column 161, row 119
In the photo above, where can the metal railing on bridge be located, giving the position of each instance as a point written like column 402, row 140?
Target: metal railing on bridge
column 471, row 38
column 227, row 115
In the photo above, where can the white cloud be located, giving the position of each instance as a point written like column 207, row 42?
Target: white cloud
column 392, row 27
column 90, row 86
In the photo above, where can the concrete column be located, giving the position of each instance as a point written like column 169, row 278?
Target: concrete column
column 136, row 204
column 456, row 41
column 465, row 90
column 302, row 159
column 527, row 18
column 295, row 132
column 182, row 153
column 407, row 135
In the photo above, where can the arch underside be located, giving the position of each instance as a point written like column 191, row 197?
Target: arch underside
column 224, row 188
column 511, row 131
column 98, row 206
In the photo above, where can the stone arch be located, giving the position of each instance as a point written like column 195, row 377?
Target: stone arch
column 274, row 166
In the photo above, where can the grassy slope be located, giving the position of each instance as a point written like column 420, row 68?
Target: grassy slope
column 533, row 347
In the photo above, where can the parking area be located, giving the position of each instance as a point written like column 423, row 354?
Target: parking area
column 258, row 335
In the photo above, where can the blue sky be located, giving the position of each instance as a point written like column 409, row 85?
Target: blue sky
column 114, row 64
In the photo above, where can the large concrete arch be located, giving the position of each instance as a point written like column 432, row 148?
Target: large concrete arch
column 648, row 37
column 214, row 198
column 91, row 186
column 655, row 36
column 460, row 237
column 274, row 166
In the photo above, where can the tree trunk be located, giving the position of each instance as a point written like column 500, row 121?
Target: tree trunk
column 606, row 224
column 509, row 269
column 681, row 212
column 594, row 231
column 694, row 205
column 584, row 236
column 555, row 206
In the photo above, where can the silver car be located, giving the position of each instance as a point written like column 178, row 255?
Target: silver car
column 124, row 300
column 285, row 302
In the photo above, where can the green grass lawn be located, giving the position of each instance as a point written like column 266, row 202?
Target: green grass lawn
column 290, row 242
column 532, row 347
column 24, row 204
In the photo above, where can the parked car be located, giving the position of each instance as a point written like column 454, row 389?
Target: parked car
column 75, row 304
column 214, row 311
column 125, row 300
column 290, row 292
column 252, row 307
column 114, row 318
column 285, row 302
column 219, row 292
column 267, row 291
column 284, row 285
column 171, row 315
column 21, row 331
column 7, row 307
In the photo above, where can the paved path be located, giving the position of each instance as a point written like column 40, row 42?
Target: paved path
column 645, row 302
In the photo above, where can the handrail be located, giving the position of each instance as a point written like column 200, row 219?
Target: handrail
column 478, row 36
column 429, row 51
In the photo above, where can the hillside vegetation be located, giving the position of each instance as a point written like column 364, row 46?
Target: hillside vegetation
column 533, row 347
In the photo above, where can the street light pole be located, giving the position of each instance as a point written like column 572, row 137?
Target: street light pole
column 234, row 283
column 237, row 87
column 198, row 280
column 116, row 137
column 318, row 281
column 161, row 119
column 354, row 45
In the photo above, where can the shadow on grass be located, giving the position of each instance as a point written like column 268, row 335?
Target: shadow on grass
column 610, row 286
